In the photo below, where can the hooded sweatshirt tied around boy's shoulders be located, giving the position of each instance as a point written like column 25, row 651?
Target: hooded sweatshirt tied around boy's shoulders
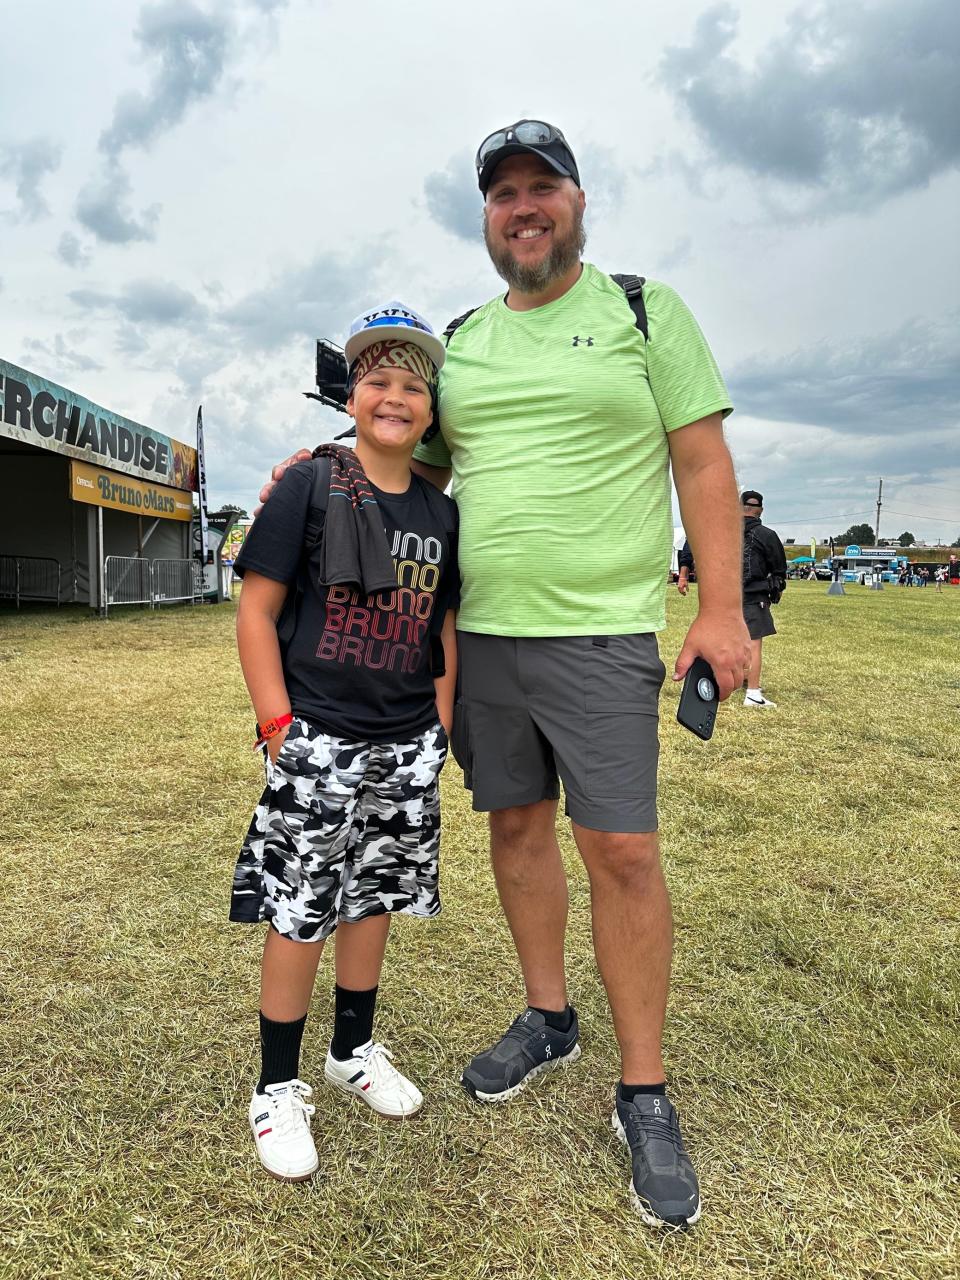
column 555, row 422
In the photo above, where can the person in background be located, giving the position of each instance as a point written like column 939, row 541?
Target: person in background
column 684, row 567
column 764, row 577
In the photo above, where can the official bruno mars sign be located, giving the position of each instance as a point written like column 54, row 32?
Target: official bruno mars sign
column 47, row 416
column 102, row 488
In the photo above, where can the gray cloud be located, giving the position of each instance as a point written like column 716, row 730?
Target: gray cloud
column 311, row 301
column 189, row 48
column 71, row 251
column 25, row 165
column 891, row 385
column 103, row 207
column 146, row 302
column 603, row 177
column 852, row 104
column 453, row 199
column 165, row 327
column 66, row 358
column 676, row 256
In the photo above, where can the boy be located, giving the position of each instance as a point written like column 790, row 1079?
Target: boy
column 353, row 706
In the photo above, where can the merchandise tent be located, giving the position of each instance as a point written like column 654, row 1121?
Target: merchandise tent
column 93, row 502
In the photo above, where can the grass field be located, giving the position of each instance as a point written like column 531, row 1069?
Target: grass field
column 812, row 1036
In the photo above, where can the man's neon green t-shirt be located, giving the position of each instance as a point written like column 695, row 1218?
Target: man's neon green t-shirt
column 555, row 422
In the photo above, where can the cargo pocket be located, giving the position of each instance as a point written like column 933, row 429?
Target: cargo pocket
column 460, row 743
column 622, row 689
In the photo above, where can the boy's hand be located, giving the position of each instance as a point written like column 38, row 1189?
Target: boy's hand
column 276, row 742
column 302, row 455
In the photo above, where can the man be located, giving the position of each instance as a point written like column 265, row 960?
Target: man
column 684, row 567
column 764, row 577
column 953, row 571
column 559, row 423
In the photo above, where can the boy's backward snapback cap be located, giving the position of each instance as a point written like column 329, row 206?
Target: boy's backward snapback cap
column 393, row 322
column 750, row 498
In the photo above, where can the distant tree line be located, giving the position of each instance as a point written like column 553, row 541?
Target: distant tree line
column 862, row 535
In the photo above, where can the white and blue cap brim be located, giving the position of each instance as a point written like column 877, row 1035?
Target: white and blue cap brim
column 396, row 322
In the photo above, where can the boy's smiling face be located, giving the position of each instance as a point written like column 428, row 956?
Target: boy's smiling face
column 392, row 408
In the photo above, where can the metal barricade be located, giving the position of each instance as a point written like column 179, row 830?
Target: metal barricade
column 126, row 581
column 29, row 578
column 9, row 578
column 173, row 580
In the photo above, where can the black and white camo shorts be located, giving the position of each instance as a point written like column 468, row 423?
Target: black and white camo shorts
column 343, row 830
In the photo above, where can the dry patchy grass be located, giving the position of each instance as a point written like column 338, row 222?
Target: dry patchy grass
column 812, row 1036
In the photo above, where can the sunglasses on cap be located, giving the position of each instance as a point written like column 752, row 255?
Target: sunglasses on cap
column 530, row 133
column 536, row 136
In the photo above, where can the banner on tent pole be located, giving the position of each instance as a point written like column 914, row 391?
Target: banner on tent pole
column 202, row 486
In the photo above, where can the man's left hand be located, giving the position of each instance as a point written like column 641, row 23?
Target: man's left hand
column 724, row 642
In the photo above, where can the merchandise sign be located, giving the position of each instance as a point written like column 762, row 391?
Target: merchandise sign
column 102, row 488
column 38, row 412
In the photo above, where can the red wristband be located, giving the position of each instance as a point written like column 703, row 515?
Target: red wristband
column 271, row 728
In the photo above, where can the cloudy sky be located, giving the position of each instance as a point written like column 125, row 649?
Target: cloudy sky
column 193, row 191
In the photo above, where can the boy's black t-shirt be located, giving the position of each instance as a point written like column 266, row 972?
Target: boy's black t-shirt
column 359, row 667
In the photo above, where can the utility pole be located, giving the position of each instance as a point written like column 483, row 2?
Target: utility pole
column 879, row 505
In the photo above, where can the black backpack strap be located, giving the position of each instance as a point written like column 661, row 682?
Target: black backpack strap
column 316, row 517
column 444, row 512
column 632, row 286
column 455, row 324
column 319, row 495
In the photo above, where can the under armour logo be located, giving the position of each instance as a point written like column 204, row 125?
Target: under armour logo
column 582, row 342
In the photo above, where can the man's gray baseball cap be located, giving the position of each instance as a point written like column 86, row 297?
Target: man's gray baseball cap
column 534, row 137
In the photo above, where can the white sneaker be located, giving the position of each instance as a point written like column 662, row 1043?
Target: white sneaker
column 371, row 1075
column 751, row 700
column 280, row 1120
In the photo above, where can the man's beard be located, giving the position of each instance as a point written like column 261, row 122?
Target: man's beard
column 535, row 278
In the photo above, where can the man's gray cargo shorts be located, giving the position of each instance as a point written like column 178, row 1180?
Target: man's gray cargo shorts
column 579, row 708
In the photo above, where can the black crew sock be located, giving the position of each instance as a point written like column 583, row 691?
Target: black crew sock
column 279, row 1050
column 352, row 1020
column 562, row 1021
column 629, row 1091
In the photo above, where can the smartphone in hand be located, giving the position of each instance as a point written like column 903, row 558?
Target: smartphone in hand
column 698, row 700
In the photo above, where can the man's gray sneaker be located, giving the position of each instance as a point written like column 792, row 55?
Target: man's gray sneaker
column 528, row 1048
column 664, row 1188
